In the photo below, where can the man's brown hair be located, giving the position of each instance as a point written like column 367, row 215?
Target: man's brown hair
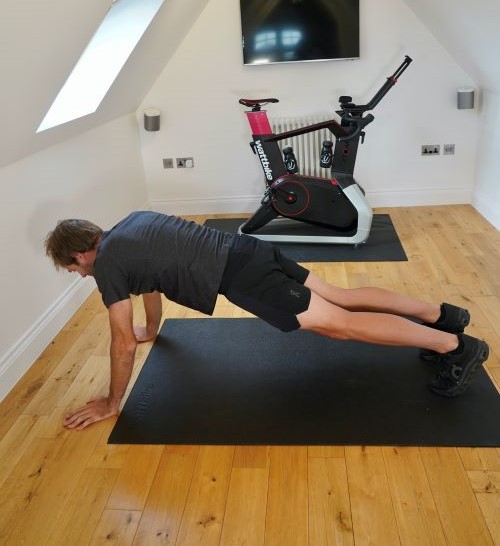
column 69, row 237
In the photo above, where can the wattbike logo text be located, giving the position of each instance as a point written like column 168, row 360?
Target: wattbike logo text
column 263, row 159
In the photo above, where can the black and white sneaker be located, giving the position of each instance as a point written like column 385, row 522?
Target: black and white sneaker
column 453, row 320
column 456, row 369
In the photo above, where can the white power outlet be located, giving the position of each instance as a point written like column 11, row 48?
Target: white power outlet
column 431, row 149
column 184, row 162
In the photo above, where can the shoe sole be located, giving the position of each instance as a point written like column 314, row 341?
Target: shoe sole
column 482, row 356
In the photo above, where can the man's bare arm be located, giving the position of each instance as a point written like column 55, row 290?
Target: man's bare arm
column 122, row 354
column 153, row 309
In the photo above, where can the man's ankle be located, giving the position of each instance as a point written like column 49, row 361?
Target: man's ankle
column 434, row 315
column 453, row 345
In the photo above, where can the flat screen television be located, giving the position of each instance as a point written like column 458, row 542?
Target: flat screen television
column 284, row 31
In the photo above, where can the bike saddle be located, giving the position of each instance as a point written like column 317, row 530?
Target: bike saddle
column 255, row 104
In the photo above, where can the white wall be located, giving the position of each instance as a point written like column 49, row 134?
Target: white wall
column 97, row 175
column 487, row 189
column 198, row 94
column 469, row 32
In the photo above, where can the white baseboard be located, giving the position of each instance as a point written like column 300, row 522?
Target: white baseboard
column 219, row 205
column 249, row 203
column 487, row 209
column 17, row 361
column 419, row 197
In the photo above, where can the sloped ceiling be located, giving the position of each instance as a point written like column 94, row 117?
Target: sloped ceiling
column 470, row 31
column 40, row 43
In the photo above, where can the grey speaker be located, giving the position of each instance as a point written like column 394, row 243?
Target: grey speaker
column 465, row 98
column 152, row 119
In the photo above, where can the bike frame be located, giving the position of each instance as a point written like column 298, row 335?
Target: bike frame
column 265, row 145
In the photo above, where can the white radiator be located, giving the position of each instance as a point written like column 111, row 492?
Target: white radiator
column 307, row 148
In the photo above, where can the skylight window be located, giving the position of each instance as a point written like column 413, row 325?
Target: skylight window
column 102, row 60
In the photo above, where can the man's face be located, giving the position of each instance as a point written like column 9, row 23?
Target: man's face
column 84, row 264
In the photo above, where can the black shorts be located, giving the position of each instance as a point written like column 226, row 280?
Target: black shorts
column 259, row 279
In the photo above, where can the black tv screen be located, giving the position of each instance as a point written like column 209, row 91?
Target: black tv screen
column 283, row 31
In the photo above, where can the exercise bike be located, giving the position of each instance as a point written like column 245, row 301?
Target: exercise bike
column 305, row 209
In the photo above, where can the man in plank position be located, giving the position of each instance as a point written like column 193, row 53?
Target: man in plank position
column 149, row 253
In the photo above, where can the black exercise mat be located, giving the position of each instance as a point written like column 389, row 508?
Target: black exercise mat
column 383, row 244
column 241, row 382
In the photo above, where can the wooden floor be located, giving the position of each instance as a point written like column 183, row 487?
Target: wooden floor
column 71, row 488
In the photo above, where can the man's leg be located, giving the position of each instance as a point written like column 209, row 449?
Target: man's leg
column 377, row 300
column 329, row 319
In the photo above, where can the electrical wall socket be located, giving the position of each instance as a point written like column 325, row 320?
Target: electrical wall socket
column 431, row 149
column 448, row 149
column 168, row 163
column 184, row 162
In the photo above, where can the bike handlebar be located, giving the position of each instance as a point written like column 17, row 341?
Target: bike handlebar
column 351, row 114
column 358, row 109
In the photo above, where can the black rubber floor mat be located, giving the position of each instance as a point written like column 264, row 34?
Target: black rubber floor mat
column 241, row 382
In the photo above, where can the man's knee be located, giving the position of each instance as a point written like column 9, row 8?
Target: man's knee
column 325, row 317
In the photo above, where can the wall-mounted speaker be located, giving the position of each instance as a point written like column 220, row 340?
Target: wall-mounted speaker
column 465, row 98
column 152, row 119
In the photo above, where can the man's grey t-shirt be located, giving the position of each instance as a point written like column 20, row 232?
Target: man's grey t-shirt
column 148, row 252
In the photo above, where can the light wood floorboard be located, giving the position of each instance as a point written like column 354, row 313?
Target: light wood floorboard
column 70, row 488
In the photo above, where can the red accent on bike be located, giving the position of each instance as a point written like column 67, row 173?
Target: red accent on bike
column 308, row 197
column 259, row 123
column 394, row 80
column 334, row 182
